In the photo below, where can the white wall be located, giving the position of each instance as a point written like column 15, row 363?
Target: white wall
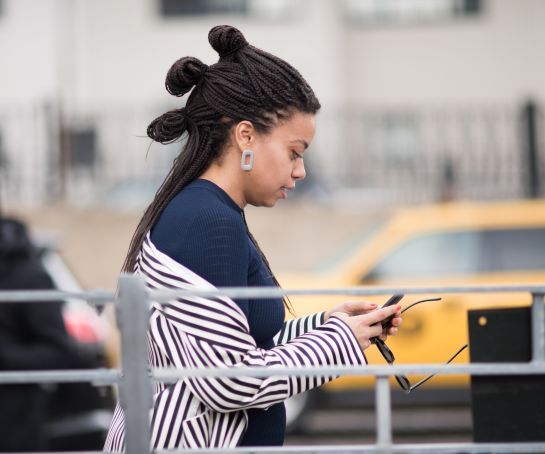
column 125, row 48
column 497, row 57
column 31, row 32
column 28, row 49
column 120, row 51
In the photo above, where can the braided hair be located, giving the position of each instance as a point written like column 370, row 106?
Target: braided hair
column 245, row 84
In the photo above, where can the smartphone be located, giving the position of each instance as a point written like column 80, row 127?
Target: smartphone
column 386, row 322
column 393, row 300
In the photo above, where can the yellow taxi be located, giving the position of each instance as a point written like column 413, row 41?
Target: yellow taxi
column 452, row 244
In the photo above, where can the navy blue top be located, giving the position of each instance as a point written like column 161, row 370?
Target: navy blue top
column 203, row 229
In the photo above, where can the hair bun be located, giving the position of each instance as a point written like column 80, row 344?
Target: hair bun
column 226, row 39
column 184, row 74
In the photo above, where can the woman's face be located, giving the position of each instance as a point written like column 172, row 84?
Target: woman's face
column 278, row 160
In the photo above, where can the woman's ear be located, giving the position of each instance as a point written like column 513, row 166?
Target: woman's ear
column 245, row 135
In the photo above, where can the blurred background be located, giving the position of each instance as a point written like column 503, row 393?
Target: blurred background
column 423, row 101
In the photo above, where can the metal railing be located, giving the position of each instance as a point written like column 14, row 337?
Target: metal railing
column 135, row 381
column 413, row 153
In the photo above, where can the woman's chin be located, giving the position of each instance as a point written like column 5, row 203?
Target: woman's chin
column 270, row 203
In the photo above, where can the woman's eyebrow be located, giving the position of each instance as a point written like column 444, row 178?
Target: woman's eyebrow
column 301, row 141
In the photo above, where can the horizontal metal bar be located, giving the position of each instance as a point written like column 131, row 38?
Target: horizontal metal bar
column 111, row 376
column 275, row 292
column 96, row 376
column 66, row 452
column 169, row 375
column 24, row 296
column 477, row 448
column 101, row 297
column 523, row 447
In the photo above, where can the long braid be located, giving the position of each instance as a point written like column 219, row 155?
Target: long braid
column 245, row 84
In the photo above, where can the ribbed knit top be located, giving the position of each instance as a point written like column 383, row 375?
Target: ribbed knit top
column 203, row 229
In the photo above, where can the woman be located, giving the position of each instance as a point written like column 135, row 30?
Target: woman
column 248, row 121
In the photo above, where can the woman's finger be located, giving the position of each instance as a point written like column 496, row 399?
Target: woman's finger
column 375, row 330
column 377, row 316
column 359, row 307
column 397, row 321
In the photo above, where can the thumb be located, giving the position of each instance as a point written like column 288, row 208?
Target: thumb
column 377, row 316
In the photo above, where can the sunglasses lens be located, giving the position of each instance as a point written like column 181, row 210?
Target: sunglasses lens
column 404, row 383
column 386, row 352
column 390, row 358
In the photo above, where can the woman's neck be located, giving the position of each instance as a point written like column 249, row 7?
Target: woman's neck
column 226, row 180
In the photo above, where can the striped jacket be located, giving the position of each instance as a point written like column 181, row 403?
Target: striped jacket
column 197, row 332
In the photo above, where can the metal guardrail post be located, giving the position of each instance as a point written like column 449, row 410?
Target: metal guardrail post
column 135, row 389
column 538, row 328
column 384, row 414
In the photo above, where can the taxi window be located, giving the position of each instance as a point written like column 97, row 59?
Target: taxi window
column 464, row 253
column 515, row 250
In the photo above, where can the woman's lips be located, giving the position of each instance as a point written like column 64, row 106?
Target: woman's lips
column 284, row 190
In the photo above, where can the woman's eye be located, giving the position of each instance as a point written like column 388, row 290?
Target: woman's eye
column 295, row 155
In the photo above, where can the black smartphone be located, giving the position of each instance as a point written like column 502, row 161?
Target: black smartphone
column 386, row 322
column 393, row 300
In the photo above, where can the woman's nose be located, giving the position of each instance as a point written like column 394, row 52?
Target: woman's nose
column 299, row 172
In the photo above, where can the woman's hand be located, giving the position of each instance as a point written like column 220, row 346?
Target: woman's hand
column 352, row 308
column 364, row 307
column 366, row 326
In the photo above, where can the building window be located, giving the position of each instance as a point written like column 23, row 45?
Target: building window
column 260, row 8
column 80, row 147
column 400, row 12
column 202, row 7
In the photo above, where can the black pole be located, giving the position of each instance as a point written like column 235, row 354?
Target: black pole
column 531, row 145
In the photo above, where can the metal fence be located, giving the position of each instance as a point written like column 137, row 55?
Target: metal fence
column 425, row 153
column 394, row 154
column 135, row 380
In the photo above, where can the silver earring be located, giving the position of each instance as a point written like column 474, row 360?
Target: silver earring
column 247, row 166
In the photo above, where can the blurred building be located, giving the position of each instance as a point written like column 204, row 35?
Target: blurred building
column 422, row 99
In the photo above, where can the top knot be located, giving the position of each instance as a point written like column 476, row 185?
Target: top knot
column 184, row 74
column 226, row 40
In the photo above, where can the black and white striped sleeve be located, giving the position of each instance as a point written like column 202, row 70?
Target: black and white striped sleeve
column 298, row 326
column 207, row 340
